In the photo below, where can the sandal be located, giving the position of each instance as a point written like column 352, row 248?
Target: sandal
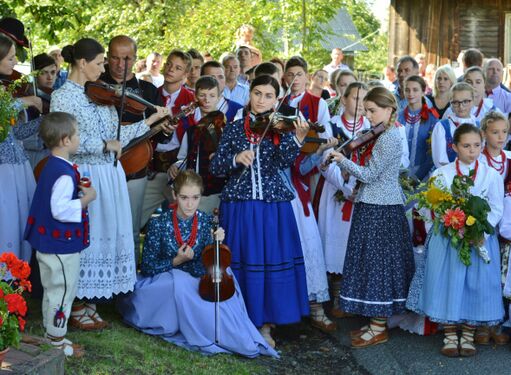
column 69, row 349
column 450, row 348
column 467, row 347
column 482, row 336
column 358, row 332
column 266, row 333
column 498, row 337
column 81, row 320
column 322, row 323
column 375, row 338
column 93, row 314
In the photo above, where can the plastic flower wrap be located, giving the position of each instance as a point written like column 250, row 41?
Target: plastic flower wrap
column 13, row 306
column 457, row 214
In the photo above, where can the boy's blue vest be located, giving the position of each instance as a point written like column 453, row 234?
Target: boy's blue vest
column 46, row 234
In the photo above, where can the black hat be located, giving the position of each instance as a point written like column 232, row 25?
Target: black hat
column 42, row 61
column 15, row 30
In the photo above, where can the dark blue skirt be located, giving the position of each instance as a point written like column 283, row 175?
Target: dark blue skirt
column 379, row 262
column 267, row 259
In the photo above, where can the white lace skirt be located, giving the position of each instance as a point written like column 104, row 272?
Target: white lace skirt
column 16, row 192
column 107, row 266
column 315, row 272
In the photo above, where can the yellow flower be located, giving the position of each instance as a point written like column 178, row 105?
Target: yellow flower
column 434, row 195
column 470, row 220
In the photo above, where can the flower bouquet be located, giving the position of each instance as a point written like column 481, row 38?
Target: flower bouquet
column 8, row 112
column 457, row 214
column 12, row 304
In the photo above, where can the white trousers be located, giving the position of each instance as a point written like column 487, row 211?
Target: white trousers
column 59, row 277
column 156, row 192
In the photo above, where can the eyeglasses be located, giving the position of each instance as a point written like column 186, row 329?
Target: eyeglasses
column 457, row 103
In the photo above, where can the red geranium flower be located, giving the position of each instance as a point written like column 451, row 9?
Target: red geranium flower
column 454, row 218
column 16, row 304
column 21, row 322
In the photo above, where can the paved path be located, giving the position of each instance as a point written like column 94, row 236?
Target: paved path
column 406, row 353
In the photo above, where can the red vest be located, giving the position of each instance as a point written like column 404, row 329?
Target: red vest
column 184, row 98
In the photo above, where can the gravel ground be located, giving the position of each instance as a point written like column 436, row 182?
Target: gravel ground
column 305, row 350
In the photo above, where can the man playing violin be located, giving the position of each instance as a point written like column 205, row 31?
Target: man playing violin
column 200, row 142
column 175, row 96
column 122, row 52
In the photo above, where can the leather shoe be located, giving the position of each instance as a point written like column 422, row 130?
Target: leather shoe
column 376, row 338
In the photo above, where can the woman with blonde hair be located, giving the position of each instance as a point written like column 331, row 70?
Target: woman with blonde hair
column 441, row 96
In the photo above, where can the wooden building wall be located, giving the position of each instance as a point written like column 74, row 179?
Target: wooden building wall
column 440, row 29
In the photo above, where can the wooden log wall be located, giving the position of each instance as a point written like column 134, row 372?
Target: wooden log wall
column 440, row 29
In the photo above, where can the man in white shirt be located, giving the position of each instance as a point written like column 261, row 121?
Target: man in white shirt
column 234, row 90
column 337, row 55
column 494, row 72
column 153, row 63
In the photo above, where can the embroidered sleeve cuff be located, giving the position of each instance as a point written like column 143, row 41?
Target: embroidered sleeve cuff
column 298, row 143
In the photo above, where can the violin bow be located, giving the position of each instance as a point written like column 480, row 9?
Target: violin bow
column 32, row 62
column 123, row 103
column 288, row 91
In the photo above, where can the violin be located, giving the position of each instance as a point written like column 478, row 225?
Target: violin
column 25, row 89
column 359, row 141
column 139, row 151
column 211, row 127
column 216, row 285
column 312, row 141
column 102, row 93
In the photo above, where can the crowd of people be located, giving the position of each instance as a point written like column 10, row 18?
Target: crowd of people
column 269, row 146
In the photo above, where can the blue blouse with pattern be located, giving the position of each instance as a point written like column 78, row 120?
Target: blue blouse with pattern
column 160, row 245
column 262, row 180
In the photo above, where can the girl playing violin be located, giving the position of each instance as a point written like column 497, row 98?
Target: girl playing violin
column 379, row 258
column 335, row 210
column 108, row 266
column 166, row 299
column 200, row 141
column 261, row 228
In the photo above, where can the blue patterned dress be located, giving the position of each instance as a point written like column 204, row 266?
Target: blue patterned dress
column 260, row 226
column 18, row 186
column 379, row 260
column 166, row 302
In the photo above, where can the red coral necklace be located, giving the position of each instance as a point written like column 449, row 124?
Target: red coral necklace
column 499, row 166
column 458, row 171
column 193, row 235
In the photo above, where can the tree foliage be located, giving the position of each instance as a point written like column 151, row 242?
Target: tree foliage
column 283, row 27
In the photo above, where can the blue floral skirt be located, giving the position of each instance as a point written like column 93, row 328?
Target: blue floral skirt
column 379, row 261
column 267, row 259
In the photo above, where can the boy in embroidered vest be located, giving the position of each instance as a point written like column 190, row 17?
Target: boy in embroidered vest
column 58, row 227
column 462, row 101
column 195, row 151
column 175, row 96
column 227, row 106
column 314, row 109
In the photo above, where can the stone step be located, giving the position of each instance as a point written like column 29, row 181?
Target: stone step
column 34, row 358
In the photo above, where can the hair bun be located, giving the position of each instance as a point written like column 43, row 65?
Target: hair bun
column 68, row 53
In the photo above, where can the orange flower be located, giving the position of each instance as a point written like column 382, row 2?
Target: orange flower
column 454, row 218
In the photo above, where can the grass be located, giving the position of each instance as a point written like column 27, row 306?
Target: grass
column 123, row 350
